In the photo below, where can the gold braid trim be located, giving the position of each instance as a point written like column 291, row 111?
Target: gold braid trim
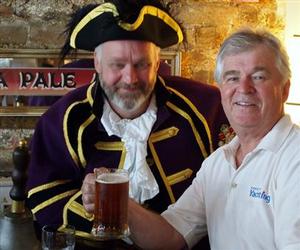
column 187, row 117
column 46, row 186
column 77, row 208
column 113, row 146
column 53, row 200
column 155, row 137
column 179, row 176
column 198, row 114
column 65, row 129
column 79, row 139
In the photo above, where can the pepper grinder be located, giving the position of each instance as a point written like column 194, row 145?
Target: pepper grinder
column 16, row 224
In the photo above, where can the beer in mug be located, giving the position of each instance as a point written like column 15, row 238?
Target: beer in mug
column 111, row 204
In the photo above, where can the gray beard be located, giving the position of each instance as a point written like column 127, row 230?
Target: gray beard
column 127, row 102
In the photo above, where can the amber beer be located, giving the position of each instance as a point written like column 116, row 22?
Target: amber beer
column 111, row 204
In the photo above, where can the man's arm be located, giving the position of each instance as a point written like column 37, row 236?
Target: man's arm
column 152, row 231
column 148, row 230
column 53, row 177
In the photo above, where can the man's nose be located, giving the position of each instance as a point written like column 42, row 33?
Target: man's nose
column 130, row 74
column 246, row 85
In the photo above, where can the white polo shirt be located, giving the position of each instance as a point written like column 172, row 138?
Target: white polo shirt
column 256, row 206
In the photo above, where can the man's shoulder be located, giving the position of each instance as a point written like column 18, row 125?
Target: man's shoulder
column 187, row 85
column 195, row 91
column 76, row 96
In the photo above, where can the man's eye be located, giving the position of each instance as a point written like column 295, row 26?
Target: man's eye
column 258, row 78
column 231, row 79
column 117, row 65
column 142, row 65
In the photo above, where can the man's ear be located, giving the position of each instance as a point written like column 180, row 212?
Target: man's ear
column 97, row 63
column 157, row 64
column 286, row 90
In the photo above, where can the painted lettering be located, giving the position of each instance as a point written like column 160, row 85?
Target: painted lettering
column 25, row 79
column 3, row 84
column 39, row 80
column 68, row 80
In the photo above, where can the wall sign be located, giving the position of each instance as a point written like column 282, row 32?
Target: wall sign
column 43, row 81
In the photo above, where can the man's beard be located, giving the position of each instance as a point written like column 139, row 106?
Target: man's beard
column 127, row 101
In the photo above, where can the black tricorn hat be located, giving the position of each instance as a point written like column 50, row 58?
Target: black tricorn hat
column 139, row 20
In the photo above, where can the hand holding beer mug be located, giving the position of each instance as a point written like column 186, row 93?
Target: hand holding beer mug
column 111, row 204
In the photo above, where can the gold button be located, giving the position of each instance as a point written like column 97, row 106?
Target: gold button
column 171, row 132
column 150, row 161
column 88, row 215
column 233, row 185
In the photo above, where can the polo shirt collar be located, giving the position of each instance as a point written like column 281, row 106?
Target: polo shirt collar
column 272, row 141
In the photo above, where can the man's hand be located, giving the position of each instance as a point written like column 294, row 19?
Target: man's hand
column 88, row 192
column 88, row 189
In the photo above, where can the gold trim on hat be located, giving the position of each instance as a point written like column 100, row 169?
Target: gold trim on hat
column 106, row 7
column 153, row 11
column 109, row 7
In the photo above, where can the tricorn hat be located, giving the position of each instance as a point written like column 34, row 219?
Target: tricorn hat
column 124, row 20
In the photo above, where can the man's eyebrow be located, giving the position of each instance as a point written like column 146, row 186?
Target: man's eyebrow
column 231, row 72
column 260, row 68
column 256, row 69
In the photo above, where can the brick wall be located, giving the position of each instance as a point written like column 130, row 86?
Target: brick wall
column 38, row 24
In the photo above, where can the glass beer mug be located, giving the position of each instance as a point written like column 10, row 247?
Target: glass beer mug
column 111, row 204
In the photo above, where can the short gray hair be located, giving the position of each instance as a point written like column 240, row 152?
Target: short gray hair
column 98, row 51
column 246, row 40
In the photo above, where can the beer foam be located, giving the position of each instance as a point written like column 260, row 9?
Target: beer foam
column 112, row 178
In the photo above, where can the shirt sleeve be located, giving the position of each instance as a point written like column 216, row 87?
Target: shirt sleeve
column 287, row 207
column 187, row 215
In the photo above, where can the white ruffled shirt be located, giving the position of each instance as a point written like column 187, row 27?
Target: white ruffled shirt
column 134, row 133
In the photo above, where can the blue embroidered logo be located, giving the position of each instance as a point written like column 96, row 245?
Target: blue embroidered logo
column 256, row 192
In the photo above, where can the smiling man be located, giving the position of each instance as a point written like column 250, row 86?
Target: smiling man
column 246, row 194
column 158, row 128
column 254, row 86
column 127, row 72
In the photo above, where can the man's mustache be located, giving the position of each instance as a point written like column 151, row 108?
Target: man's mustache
column 124, row 85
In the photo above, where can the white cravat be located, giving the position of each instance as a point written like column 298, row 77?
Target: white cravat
column 134, row 133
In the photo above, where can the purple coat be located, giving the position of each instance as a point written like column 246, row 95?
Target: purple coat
column 70, row 141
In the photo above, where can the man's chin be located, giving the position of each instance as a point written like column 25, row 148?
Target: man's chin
column 129, row 105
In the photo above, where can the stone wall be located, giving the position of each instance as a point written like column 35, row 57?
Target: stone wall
column 39, row 24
